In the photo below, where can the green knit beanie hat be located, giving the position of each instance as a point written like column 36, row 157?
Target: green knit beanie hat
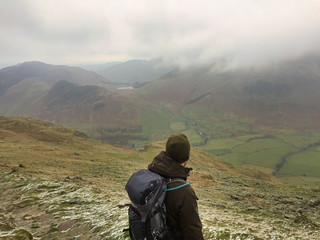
column 178, row 148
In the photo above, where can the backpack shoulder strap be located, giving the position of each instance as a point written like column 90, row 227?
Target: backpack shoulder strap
column 171, row 180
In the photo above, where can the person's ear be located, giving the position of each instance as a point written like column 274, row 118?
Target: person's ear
column 183, row 164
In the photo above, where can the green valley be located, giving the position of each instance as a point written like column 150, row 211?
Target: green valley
column 263, row 117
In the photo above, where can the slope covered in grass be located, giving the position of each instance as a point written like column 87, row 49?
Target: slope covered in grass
column 56, row 183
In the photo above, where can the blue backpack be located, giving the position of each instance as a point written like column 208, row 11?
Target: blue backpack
column 147, row 211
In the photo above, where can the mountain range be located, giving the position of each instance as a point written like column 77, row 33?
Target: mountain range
column 268, row 111
column 283, row 94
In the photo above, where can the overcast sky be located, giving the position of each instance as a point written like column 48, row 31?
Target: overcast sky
column 179, row 31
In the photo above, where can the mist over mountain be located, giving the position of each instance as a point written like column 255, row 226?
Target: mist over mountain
column 281, row 94
column 133, row 71
column 97, row 67
column 285, row 94
column 48, row 73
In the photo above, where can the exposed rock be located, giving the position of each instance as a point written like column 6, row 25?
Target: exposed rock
column 315, row 203
column 67, row 179
column 14, row 169
column 77, row 178
column 235, row 197
column 300, row 210
column 287, row 201
column 252, row 208
column 80, row 134
column 66, row 225
column 21, row 203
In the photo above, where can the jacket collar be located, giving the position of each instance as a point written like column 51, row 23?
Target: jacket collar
column 167, row 167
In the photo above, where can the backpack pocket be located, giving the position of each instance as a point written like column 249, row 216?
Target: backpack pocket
column 136, row 228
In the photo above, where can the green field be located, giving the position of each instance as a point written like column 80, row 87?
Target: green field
column 160, row 121
column 155, row 121
column 305, row 163
column 268, row 151
column 257, row 145
column 194, row 137
column 217, row 124
column 268, row 158
column 178, row 126
column 235, row 141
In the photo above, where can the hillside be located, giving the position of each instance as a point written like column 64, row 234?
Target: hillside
column 57, row 183
column 95, row 110
column 67, row 95
column 284, row 94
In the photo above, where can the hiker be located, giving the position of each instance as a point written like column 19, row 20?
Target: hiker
column 181, row 204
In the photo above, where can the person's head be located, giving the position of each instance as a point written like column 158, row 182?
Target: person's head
column 178, row 148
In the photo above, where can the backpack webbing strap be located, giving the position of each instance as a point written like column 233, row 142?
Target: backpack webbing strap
column 183, row 185
column 171, row 180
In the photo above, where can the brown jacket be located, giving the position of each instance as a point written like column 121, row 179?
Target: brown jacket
column 181, row 204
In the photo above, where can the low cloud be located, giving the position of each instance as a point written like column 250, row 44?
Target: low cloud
column 182, row 32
